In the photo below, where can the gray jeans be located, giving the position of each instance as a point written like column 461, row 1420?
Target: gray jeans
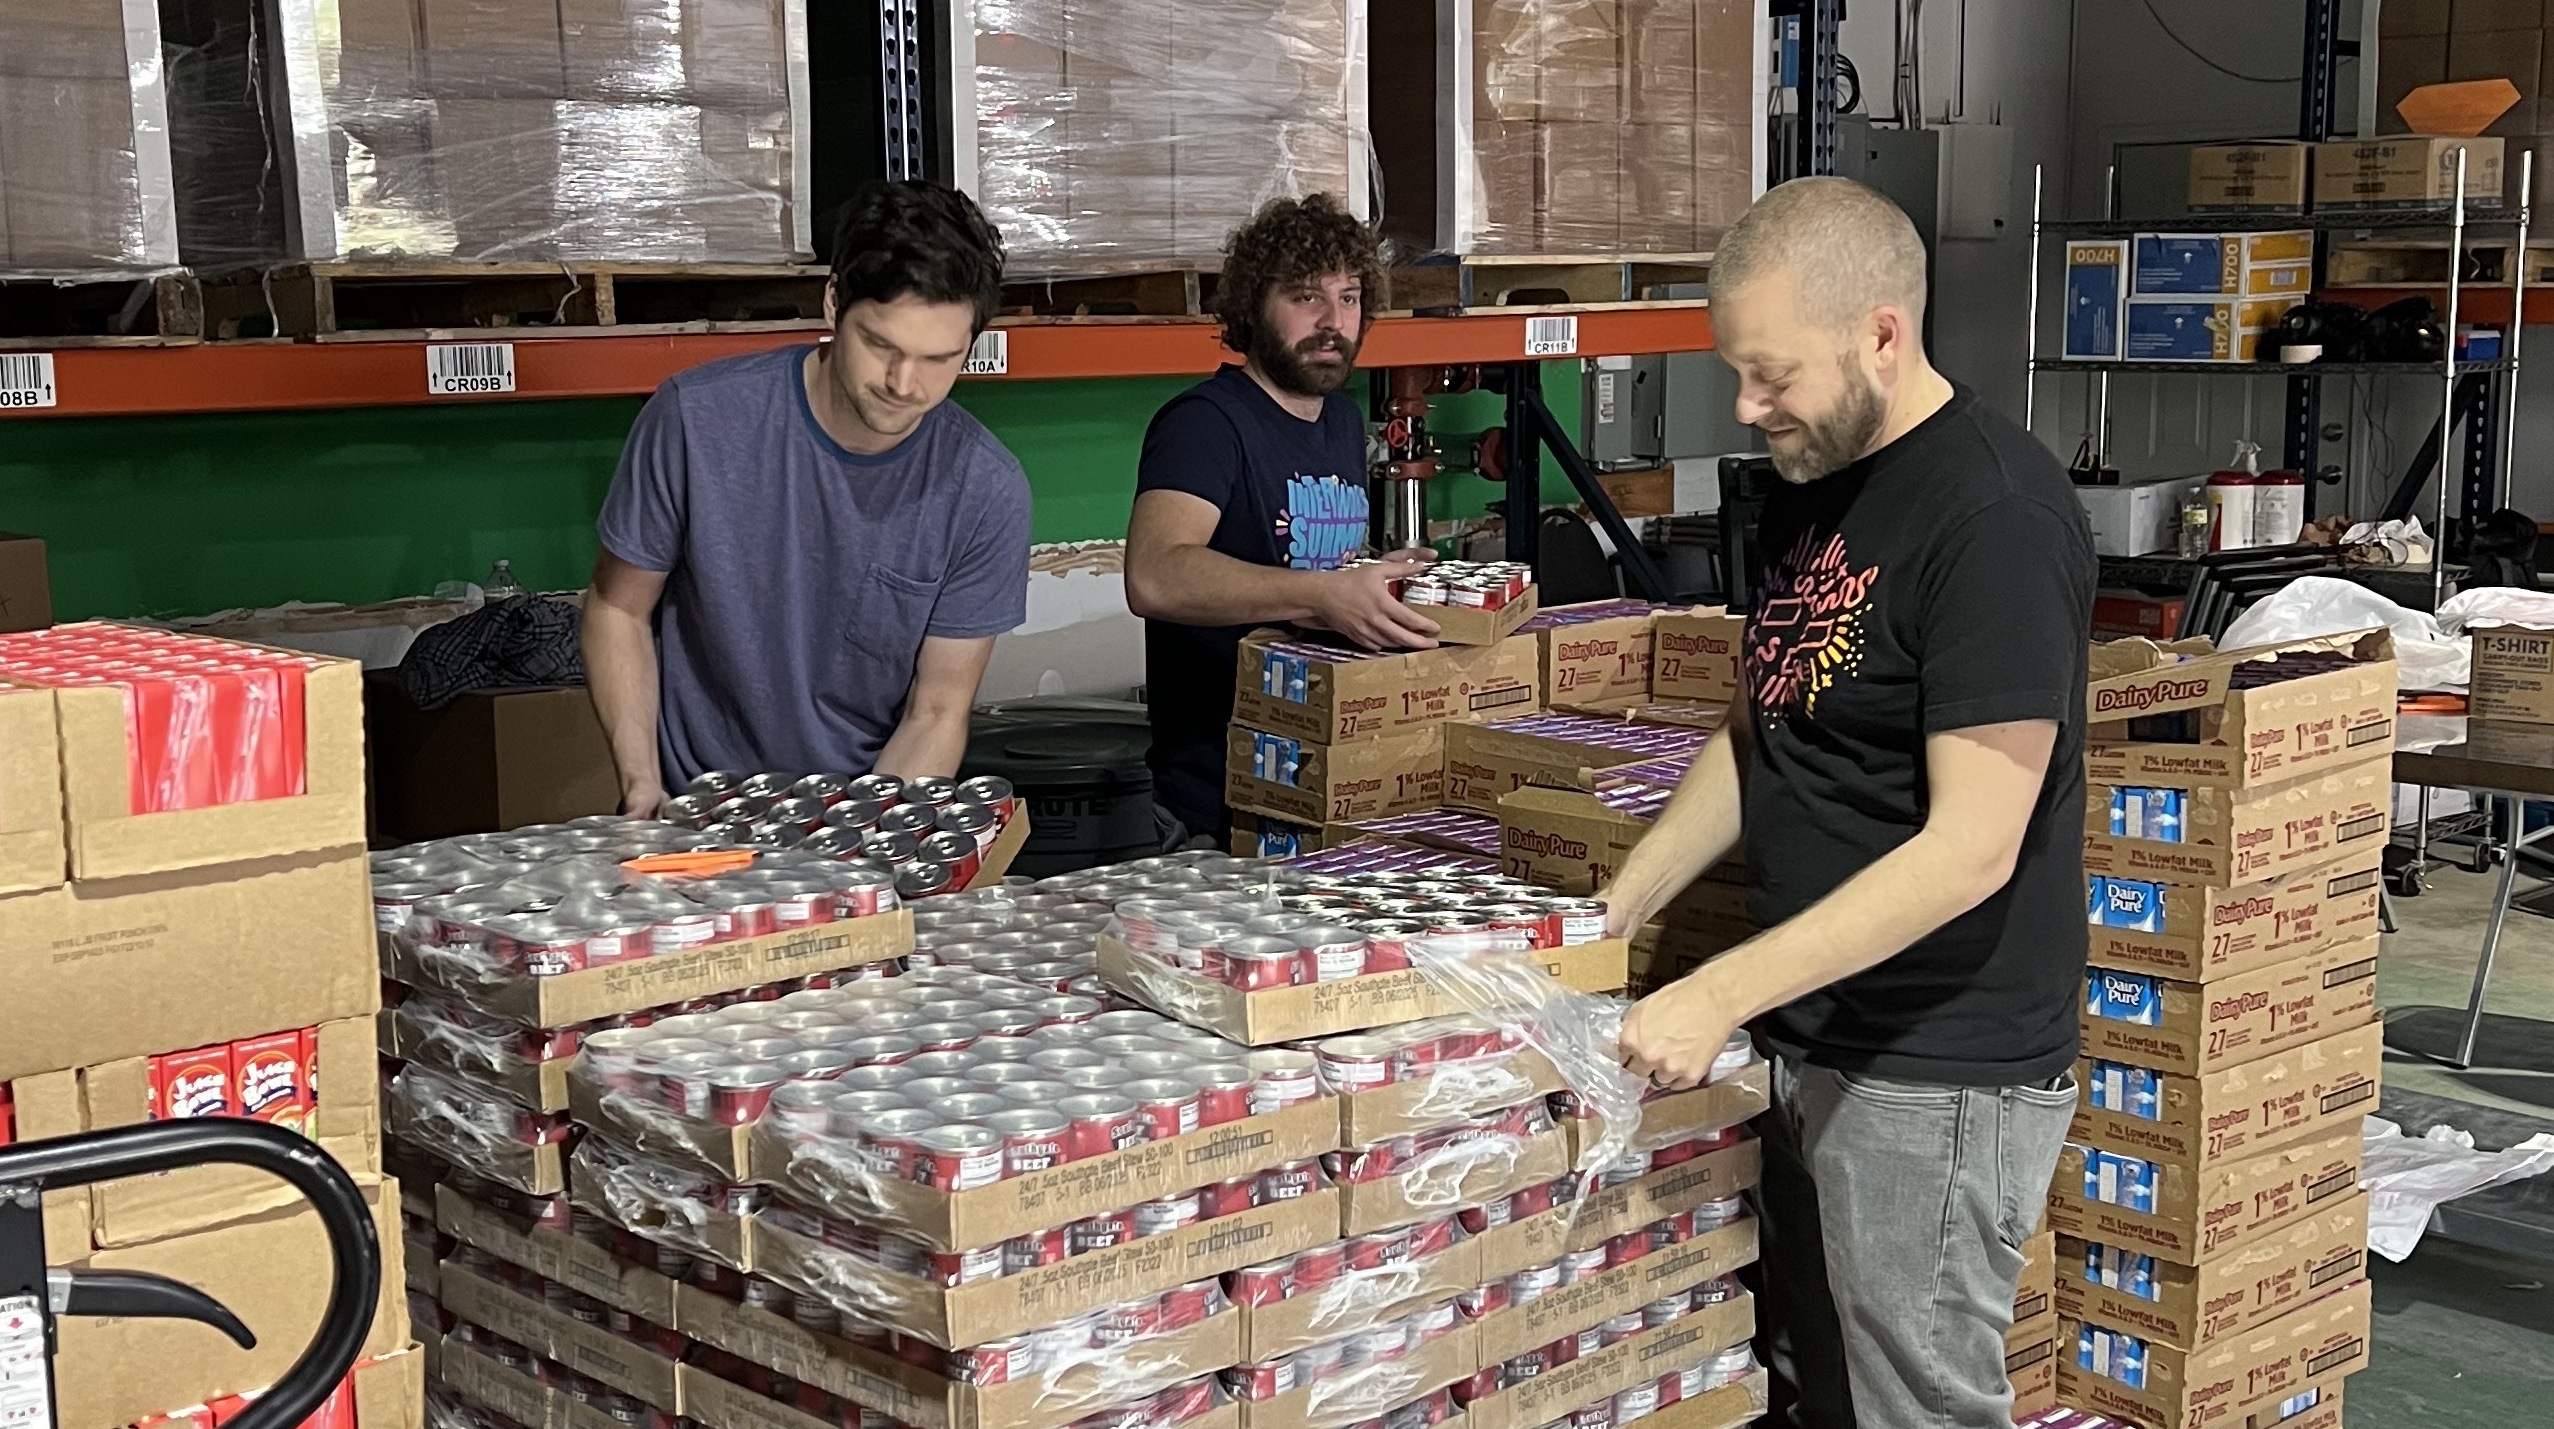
column 1893, row 1219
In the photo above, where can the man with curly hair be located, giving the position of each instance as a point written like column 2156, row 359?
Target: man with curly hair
column 1251, row 492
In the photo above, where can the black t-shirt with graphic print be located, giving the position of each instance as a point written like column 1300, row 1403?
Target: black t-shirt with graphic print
column 1943, row 582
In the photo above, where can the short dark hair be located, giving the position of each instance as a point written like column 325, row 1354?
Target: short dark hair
column 921, row 238
column 1287, row 242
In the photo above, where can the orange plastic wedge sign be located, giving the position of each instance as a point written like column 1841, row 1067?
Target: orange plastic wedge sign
column 691, row 865
column 2460, row 110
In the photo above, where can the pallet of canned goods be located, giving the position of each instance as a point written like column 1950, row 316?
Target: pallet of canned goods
column 1675, row 1263
column 1681, row 1358
column 933, row 835
column 1472, row 602
column 1400, row 1369
column 1739, row 1086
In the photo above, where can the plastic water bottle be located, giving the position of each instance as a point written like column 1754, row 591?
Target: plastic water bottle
column 501, row 584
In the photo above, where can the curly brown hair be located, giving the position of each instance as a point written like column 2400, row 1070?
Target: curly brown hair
column 1286, row 242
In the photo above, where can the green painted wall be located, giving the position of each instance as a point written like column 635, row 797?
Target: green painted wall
column 180, row 515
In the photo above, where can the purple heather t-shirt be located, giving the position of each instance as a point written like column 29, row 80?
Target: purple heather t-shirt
column 802, row 578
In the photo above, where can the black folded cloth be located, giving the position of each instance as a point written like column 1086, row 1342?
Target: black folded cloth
column 526, row 640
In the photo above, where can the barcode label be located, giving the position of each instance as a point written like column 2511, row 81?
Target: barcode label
column 26, row 379
column 453, row 369
column 991, row 355
column 1551, row 337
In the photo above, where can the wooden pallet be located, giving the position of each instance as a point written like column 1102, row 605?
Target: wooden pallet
column 2424, row 263
column 1169, row 291
column 357, row 300
column 1526, row 281
column 101, row 312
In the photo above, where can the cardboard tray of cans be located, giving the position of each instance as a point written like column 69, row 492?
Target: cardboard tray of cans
column 1670, row 1117
column 2199, row 934
column 721, row 1404
column 1033, row 1280
column 1418, row 1076
column 2195, row 1306
column 1541, row 1225
column 1695, row 655
column 2230, row 836
column 1286, row 1011
column 479, row 1129
column 680, row 1207
column 2195, row 1122
column 2194, row 1029
column 932, row 835
column 529, row 1064
column 643, row 1370
column 1340, row 1286
column 1327, row 694
column 2249, row 1371
column 2190, row 1217
column 467, row 1368
column 1556, row 748
column 1588, row 1288
column 557, row 1257
column 1505, row 592
column 1358, row 1378
column 2244, row 718
column 1429, row 1174
column 1635, row 1363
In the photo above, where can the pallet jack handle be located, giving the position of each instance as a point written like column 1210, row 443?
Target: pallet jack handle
column 33, row 1294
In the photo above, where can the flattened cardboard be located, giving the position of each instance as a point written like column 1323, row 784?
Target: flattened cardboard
column 1290, row 1014
column 139, row 1209
column 1697, row 655
column 2230, row 1114
column 409, row 1034
column 1363, row 1392
column 1451, row 1178
column 2201, row 1215
column 2222, row 1384
column 1394, row 773
column 1356, row 1299
column 2235, row 836
column 1462, row 625
column 2197, row 1306
column 2207, row 1027
column 2211, row 933
column 590, row 1350
column 1505, row 1334
column 109, row 840
column 992, row 1214
column 1454, row 1092
column 98, row 971
column 968, row 1315
column 1609, row 1212
column 1644, row 1357
column 1596, row 662
column 556, row 1256
column 31, row 848
column 1361, row 698
column 635, row 986
column 2267, row 734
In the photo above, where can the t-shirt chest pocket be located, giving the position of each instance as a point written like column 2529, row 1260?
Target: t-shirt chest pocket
column 883, row 625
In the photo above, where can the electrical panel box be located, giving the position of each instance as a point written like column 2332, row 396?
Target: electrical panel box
column 1621, row 405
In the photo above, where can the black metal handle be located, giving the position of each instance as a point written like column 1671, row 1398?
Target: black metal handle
column 353, row 1244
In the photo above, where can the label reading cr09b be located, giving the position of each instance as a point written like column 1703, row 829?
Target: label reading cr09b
column 26, row 379
column 463, row 368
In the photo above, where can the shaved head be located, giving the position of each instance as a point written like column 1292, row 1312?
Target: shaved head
column 1848, row 249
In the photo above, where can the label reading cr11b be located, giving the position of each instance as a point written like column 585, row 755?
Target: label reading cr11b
column 1552, row 336
column 26, row 379
column 462, row 368
column 991, row 355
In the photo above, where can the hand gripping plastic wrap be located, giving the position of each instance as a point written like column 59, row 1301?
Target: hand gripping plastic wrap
column 84, row 144
column 1108, row 134
column 489, row 130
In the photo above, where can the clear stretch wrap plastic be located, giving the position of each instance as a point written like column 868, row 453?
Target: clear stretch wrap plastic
column 464, row 1123
column 677, row 1207
column 595, row 130
column 84, row 143
column 1105, row 134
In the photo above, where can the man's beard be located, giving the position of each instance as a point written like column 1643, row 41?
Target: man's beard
column 1839, row 439
column 1287, row 368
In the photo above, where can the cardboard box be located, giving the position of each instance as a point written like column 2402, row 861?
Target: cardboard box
column 1286, row 778
column 596, row 993
column 556, row 1256
column 1505, row 1334
column 26, row 589
column 2513, row 674
column 140, row 1209
column 2264, row 177
column 1596, row 653
column 2200, row 329
column 2232, row 836
column 2035, row 1293
column 967, row 1315
column 1451, row 1093
column 2030, row 1365
column 2228, row 1381
column 1364, row 1392
column 390, row 1390
column 1682, row 1116
column 1696, row 655
column 1742, row 1401
column 591, row 1350
column 2096, row 300
column 2213, row 933
column 133, row 967
column 43, row 1106
column 1324, row 695
column 989, row 1215
column 1291, row 1014
column 271, row 1270
column 1462, row 625
column 2244, row 738
column 1570, row 840
column 1485, row 761
column 2232, row 265
column 1610, row 1211
column 1356, row 1299
column 2203, row 1214
column 2203, row 1028
column 31, row 849
column 2412, row 171
column 2138, row 519
column 2226, row 1115
column 490, row 760
column 1469, row 1174
column 468, row 1372
column 1644, row 1357
column 652, row 1129
column 2196, row 1306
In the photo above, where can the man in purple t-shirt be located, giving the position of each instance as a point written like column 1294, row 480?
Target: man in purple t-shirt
column 807, row 553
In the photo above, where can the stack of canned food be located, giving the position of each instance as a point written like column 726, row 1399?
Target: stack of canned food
column 1379, row 1344
column 1441, row 1157
column 1473, row 585
column 1714, row 1370
column 930, row 833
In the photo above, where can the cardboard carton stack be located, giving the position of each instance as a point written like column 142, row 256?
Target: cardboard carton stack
column 182, row 909
column 2183, row 297
column 2211, row 1234
column 84, row 150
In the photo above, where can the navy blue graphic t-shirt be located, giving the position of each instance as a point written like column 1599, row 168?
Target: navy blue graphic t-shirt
column 1293, row 493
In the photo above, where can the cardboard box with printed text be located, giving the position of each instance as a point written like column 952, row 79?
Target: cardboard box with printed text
column 2195, row 1306
column 2234, row 1112
column 2201, row 1028
column 2212, row 933
column 2230, row 1380
column 1347, row 694
column 2198, row 1215
column 1286, row 778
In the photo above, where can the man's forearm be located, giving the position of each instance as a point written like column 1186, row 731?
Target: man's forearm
column 1698, row 828
column 621, row 674
column 926, row 741
column 1191, row 585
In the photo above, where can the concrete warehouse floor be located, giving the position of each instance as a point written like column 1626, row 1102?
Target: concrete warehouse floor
column 2464, row 1335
